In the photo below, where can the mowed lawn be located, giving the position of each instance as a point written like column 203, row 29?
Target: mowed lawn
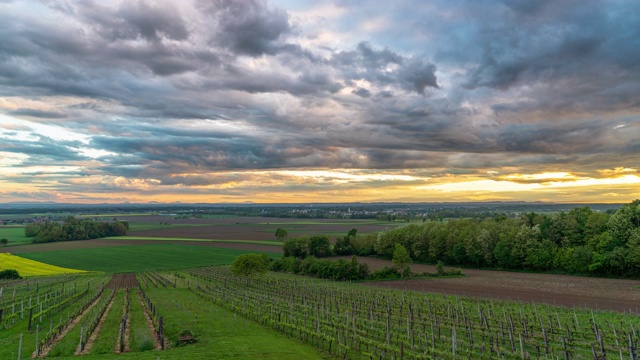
column 135, row 258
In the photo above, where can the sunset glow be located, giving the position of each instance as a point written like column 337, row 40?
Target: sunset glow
column 319, row 101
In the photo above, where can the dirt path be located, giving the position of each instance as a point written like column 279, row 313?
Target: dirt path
column 70, row 327
column 96, row 331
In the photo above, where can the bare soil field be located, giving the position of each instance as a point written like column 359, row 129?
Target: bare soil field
column 123, row 281
column 249, row 228
column 597, row 293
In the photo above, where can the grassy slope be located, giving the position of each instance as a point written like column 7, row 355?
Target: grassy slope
column 139, row 257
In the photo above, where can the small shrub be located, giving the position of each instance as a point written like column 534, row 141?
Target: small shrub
column 385, row 273
column 146, row 345
column 10, row 274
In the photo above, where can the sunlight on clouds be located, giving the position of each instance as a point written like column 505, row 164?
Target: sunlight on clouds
column 50, row 131
column 9, row 159
column 617, row 171
column 95, row 153
column 480, row 185
column 542, row 176
column 622, row 180
column 343, row 176
column 38, row 170
column 499, row 186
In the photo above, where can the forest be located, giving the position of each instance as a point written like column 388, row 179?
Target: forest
column 74, row 229
column 580, row 241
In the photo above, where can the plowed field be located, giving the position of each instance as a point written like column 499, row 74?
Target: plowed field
column 597, row 293
column 123, row 281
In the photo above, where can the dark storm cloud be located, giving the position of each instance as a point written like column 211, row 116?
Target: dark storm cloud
column 37, row 113
column 586, row 46
column 386, row 67
column 44, row 151
column 461, row 86
column 248, row 27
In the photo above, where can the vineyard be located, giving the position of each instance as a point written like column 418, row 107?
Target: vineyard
column 74, row 315
column 195, row 312
column 350, row 321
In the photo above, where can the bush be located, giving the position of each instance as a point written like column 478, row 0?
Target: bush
column 385, row 273
column 324, row 269
column 10, row 274
column 297, row 247
column 249, row 264
column 440, row 268
column 319, row 246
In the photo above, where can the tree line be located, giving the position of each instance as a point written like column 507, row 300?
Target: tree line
column 74, row 229
column 581, row 241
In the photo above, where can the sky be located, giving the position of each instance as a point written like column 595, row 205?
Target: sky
column 290, row 101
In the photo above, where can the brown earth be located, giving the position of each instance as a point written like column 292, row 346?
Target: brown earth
column 596, row 293
column 123, row 281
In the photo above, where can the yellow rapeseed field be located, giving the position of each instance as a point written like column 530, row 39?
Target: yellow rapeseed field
column 28, row 267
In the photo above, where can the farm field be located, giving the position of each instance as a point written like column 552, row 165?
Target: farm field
column 27, row 267
column 570, row 291
column 15, row 235
column 245, row 228
column 87, row 314
column 102, row 255
column 289, row 317
column 357, row 321
column 134, row 258
column 518, row 318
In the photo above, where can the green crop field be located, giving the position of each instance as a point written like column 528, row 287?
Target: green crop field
column 136, row 258
column 147, row 238
column 15, row 235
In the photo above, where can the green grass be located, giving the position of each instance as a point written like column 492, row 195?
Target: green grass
column 15, row 235
column 136, row 258
column 109, row 332
column 259, row 242
column 221, row 334
column 140, row 335
column 10, row 333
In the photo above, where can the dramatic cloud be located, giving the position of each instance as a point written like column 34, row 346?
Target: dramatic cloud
column 321, row 101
